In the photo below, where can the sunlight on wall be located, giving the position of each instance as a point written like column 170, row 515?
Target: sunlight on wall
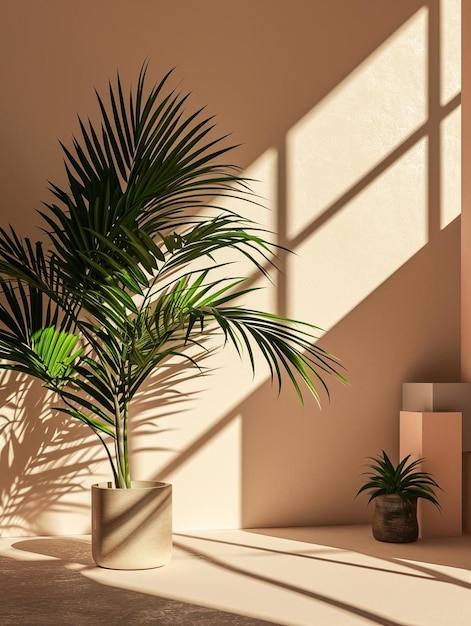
column 450, row 86
column 192, row 436
column 261, row 208
column 212, row 482
column 332, row 150
column 358, row 124
column 450, row 172
column 358, row 248
column 450, row 49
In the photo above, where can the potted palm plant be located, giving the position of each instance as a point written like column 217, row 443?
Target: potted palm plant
column 395, row 490
column 130, row 276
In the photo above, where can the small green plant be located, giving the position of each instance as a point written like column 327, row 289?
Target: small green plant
column 405, row 480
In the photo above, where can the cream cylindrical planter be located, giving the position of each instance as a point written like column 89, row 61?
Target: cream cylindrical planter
column 132, row 528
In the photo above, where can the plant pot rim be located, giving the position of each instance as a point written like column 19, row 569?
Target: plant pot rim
column 395, row 495
column 135, row 484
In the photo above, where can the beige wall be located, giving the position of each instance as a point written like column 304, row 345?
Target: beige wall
column 348, row 113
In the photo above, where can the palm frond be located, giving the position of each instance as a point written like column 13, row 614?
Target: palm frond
column 130, row 278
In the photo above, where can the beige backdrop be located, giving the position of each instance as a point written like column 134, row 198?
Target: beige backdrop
column 348, row 113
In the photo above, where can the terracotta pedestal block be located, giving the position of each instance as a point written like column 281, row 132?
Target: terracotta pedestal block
column 437, row 436
column 467, row 492
column 441, row 397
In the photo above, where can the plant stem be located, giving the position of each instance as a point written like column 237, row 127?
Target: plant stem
column 103, row 442
column 121, row 446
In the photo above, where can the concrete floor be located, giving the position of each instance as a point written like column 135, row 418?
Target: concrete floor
column 329, row 576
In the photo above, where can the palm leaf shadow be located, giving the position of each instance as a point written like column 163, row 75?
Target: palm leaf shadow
column 165, row 394
column 43, row 457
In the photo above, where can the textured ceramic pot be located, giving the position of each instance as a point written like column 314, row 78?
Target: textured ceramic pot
column 395, row 520
column 132, row 528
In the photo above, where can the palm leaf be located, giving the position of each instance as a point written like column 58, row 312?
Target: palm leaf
column 134, row 239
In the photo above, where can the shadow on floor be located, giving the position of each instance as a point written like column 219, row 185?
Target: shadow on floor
column 53, row 591
column 448, row 551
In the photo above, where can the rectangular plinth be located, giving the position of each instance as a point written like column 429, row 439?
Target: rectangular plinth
column 436, row 436
column 467, row 492
column 441, row 397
